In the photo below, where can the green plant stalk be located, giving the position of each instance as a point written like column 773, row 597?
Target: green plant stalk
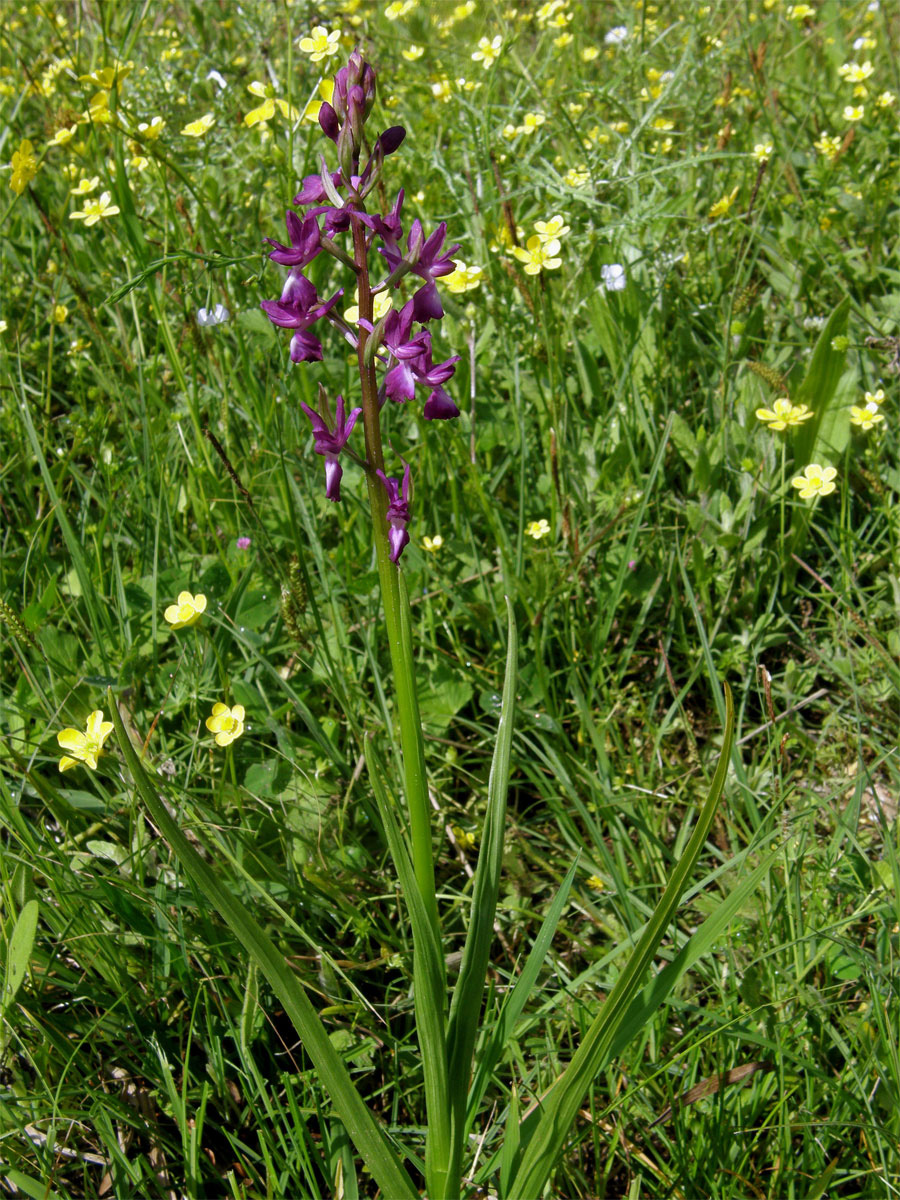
column 430, row 986
column 547, row 1127
column 380, row 1157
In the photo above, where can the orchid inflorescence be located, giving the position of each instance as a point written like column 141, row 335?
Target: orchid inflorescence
column 398, row 342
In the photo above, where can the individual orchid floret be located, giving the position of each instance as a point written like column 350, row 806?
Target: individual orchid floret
column 313, row 189
column 330, row 442
column 438, row 406
column 304, row 238
column 427, row 259
column 298, row 308
column 397, row 511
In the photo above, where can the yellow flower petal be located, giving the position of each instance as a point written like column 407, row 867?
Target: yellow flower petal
column 265, row 112
column 71, row 739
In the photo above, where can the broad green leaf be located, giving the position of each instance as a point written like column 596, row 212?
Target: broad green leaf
column 36, row 1189
column 820, row 383
column 380, row 1156
column 545, row 1129
column 21, row 943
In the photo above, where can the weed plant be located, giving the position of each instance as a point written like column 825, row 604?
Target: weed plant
column 676, row 303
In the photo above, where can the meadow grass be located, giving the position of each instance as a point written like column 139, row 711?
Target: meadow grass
column 725, row 178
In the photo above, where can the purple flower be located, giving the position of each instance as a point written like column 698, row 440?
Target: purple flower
column 438, row 406
column 313, row 189
column 426, row 260
column 243, row 543
column 397, row 511
column 298, row 308
column 305, row 244
column 330, row 442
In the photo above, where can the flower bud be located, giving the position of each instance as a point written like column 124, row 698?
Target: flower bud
column 328, row 119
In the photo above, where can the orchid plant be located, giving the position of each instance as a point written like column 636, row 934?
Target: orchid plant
column 461, row 1046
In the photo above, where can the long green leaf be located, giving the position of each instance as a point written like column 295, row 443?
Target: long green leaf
column 546, row 1128
column 699, row 943
column 465, row 1007
column 379, row 1155
column 429, row 994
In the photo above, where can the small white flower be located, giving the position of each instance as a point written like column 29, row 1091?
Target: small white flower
column 613, row 277
column 214, row 317
column 218, row 80
column 616, row 36
column 815, row 323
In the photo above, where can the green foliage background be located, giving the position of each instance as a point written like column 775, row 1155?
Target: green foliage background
column 140, row 1056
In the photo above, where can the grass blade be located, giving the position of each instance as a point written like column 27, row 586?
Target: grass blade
column 516, row 999
column 545, row 1129
column 465, row 1007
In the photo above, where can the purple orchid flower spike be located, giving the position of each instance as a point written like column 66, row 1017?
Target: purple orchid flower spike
column 305, row 242
column 330, row 442
column 298, row 308
column 397, row 511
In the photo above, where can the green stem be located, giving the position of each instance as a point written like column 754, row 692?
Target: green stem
column 430, row 992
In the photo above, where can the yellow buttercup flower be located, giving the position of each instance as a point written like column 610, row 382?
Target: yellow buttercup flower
column 60, row 312
column 84, row 747
column 488, row 51
column 785, row 414
column 815, row 481
column 320, row 43
column 829, row 147
column 865, row 418
column 325, row 92
column 463, row 279
column 226, row 723
column 538, row 256
column 462, row 837
column 186, row 611
column 63, row 135
column 432, row 545
column 721, row 207
column 200, row 127
column 24, row 167
column 554, row 228
column 108, row 77
column 270, row 102
column 853, row 72
column 595, row 883
column 86, row 186
column 399, row 8
column 876, row 397
column 95, row 210
column 150, row 131
column 538, row 529
column 576, row 176
column 381, row 307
